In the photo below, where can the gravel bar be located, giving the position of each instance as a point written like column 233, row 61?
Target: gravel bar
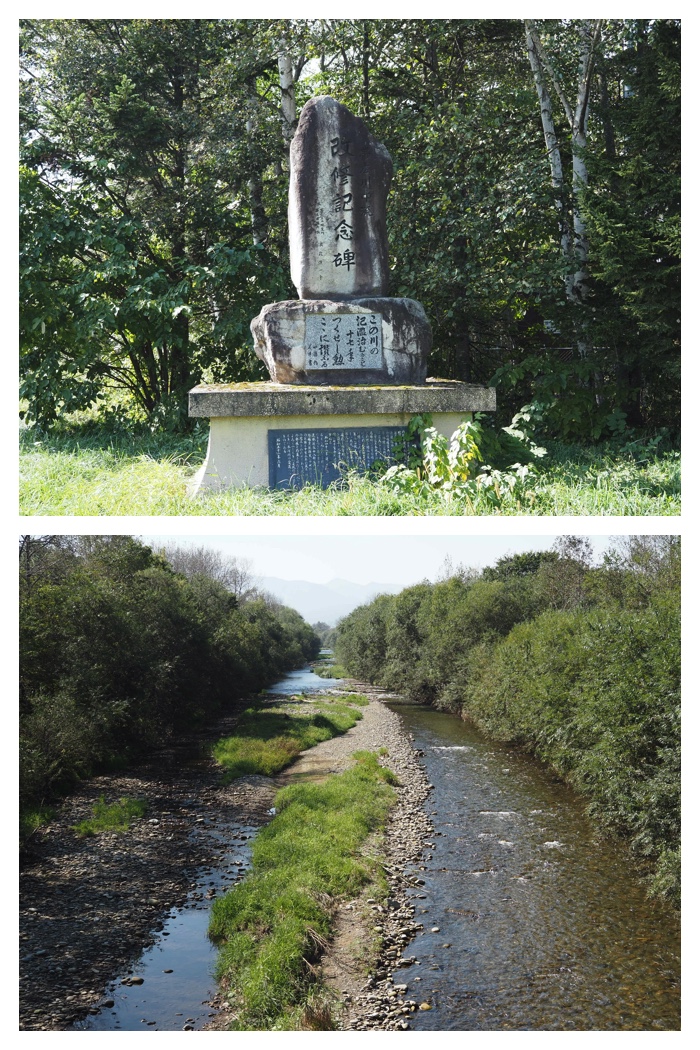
column 88, row 907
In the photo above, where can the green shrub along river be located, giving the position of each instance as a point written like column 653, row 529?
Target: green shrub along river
column 579, row 665
column 118, row 652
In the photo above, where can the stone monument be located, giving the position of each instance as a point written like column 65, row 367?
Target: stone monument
column 343, row 328
column 348, row 364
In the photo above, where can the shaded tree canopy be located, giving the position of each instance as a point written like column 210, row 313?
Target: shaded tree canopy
column 118, row 651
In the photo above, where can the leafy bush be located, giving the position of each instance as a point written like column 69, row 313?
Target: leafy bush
column 59, row 743
column 596, row 694
column 579, row 665
column 457, row 467
column 118, row 652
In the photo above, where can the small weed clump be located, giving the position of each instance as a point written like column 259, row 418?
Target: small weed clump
column 266, row 741
column 272, row 928
column 30, row 820
column 357, row 699
column 114, row 817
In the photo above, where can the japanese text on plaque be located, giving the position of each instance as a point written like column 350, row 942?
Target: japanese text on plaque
column 343, row 341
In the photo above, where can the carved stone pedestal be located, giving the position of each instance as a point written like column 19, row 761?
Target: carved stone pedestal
column 360, row 341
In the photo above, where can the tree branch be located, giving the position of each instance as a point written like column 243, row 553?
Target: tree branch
column 547, row 66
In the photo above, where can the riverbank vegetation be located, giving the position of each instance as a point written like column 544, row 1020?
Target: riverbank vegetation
column 269, row 739
column 326, row 666
column 153, row 192
column 114, row 817
column 577, row 663
column 273, row 926
column 119, row 652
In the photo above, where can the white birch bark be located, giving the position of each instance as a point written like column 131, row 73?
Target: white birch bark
column 288, row 101
column 577, row 118
column 590, row 33
column 550, row 135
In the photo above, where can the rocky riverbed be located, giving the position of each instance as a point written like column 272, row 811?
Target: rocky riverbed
column 89, row 906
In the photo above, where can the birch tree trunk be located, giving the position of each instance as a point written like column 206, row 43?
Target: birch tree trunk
column 575, row 249
column 589, row 34
column 550, row 137
column 288, row 101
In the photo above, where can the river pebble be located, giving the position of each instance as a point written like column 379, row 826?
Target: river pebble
column 382, row 1005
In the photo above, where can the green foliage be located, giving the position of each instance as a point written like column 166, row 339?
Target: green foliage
column 327, row 669
column 597, row 696
column 512, row 565
column 457, row 468
column 118, row 652
column 153, row 206
column 112, row 817
column 31, row 819
column 272, row 927
column 138, row 267
column 578, row 664
column 633, row 212
column 269, row 739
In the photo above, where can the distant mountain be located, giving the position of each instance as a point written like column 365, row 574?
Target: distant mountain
column 326, row 602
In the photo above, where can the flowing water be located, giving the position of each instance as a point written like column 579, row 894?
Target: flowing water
column 530, row 921
column 303, row 681
column 178, row 970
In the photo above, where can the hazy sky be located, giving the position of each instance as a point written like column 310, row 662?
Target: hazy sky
column 366, row 559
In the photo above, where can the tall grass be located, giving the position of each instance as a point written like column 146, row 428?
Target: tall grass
column 91, row 472
column 272, row 928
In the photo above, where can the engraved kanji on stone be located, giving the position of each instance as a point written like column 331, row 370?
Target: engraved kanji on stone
column 342, row 202
column 337, row 167
column 341, row 175
column 340, row 146
column 346, row 259
column 333, row 341
column 343, row 231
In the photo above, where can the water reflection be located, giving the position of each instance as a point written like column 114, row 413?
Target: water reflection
column 176, row 974
column 177, row 970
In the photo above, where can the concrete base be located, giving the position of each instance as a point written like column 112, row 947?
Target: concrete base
column 241, row 414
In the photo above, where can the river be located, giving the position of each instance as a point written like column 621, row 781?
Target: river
column 531, row 921
column 177, row 971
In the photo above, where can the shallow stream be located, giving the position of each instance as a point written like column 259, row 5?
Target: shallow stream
column 531, row 922
column 177, row 972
